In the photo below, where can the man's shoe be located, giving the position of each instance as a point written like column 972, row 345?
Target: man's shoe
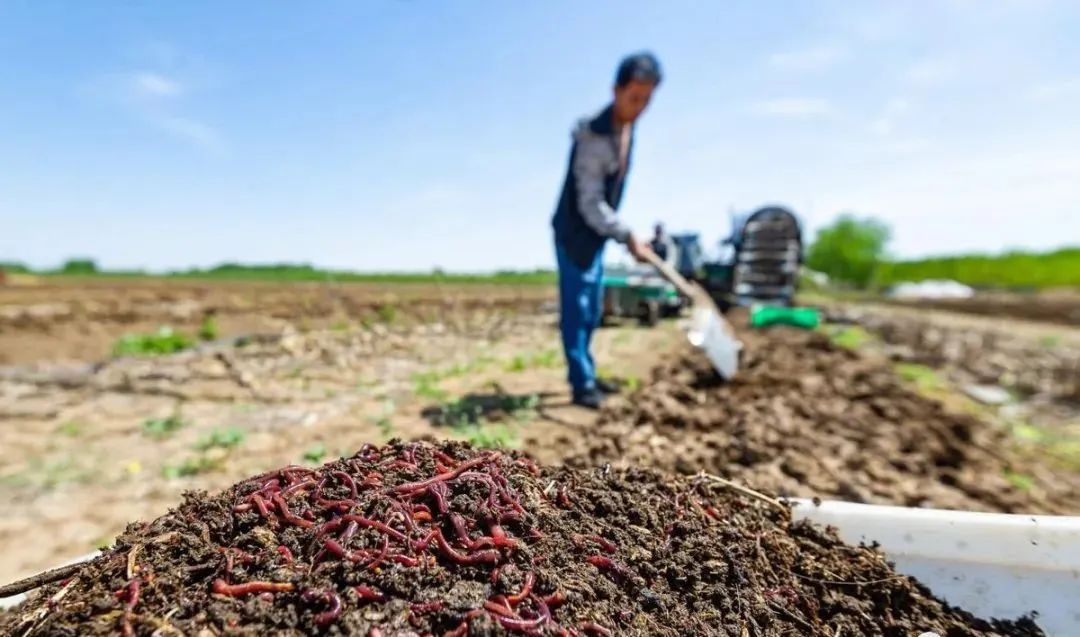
column 607, row 387
column 589, row 399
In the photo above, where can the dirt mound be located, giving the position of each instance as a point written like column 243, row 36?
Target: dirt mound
column 423, row 540
column 807, row 418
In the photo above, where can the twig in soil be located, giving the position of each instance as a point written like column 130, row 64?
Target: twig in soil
column 792, row 616
column 132, row 556
column 744, row 490
column 41, row 579
column 30, row 621
column 853, row 583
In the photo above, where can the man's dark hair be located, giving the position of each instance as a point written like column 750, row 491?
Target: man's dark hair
column 639, row 67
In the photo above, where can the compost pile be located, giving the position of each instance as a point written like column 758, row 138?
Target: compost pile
column 805, row 417
column 419, row 539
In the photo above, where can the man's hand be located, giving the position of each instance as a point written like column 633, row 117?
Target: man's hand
column 638, row 249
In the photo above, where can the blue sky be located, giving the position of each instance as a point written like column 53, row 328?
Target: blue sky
column 405, row 135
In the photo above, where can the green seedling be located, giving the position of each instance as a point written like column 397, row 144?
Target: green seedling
column 161, row 428
column 428, row 389
column 924, row 378
column 208, row 331
column 315, row 453
column 227, row 438
column 488, row 436
column 71, row 429
column 387, row 313
column 164, row 341
column 1019, row 480
column 851, row 337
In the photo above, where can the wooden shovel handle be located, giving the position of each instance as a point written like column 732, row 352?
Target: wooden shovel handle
column 672, row 275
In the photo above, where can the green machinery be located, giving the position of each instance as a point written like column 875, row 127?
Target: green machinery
column 639, row 292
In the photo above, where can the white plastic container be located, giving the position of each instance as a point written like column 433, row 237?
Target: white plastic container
column 989, row 564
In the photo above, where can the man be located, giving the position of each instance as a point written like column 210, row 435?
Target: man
column 661, row 243
column 586, row 218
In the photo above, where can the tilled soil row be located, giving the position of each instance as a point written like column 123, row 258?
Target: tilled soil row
column 418, row 539
column 805, row 417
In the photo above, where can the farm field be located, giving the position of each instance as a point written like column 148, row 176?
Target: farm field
column 875, row 407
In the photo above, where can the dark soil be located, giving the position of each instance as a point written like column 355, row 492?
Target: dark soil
column 595, row 552
column 805, row 417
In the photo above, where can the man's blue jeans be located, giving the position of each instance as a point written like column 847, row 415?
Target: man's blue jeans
column 581, row 299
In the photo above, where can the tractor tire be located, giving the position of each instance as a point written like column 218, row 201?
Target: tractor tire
column 649, row 313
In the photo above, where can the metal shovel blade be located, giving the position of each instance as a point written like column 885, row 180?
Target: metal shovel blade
column 706, row 332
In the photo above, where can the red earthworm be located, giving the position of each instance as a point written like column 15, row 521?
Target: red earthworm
column 445, row 459
column 404, row 560
column 299, row 486
column 604, row 544
column 342, row 505
column 318, row 489
column 439, row 491
column 498, row 610
column 421, row 516
column 486, row 479
column 375, row 524
column 327, row 598
column 592, row 628
column 288, row 515
column 403, row 511
column 421, row 545
column 555, row 599
column 442, row 477
column 526, row 589
column 333, row 546
column 529, row 464
column 460, row 631
column 563, row 498
column 368, row 594
column 375, row 632
column 349, row 482
column 518, row 624
column 285, row 553
column 236, row 590
column 429, row 607
column 131, row 593
column 330, row 526
column 458, row 523
column 382, row 554
column 509, row 516
column 607, row 564
column 260, row 504
column 479, row 557
column 499, row 537
column 348, row 533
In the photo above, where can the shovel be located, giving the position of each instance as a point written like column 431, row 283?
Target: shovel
column 708, row 330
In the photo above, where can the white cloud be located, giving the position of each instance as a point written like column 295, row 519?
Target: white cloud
column 155, row 85
column 793, row 107
column 190, row 130
column 811, row 59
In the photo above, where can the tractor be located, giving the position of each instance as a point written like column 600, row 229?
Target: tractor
column 762, row 268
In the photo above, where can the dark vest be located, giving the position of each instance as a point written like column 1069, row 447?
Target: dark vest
column 576, row 237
